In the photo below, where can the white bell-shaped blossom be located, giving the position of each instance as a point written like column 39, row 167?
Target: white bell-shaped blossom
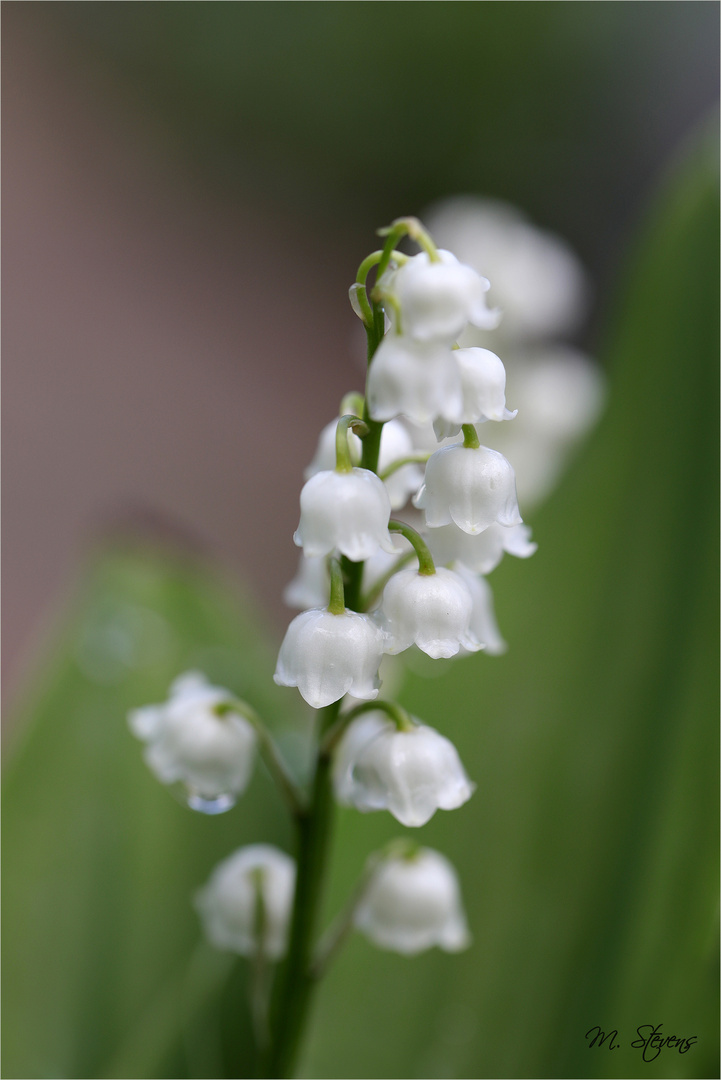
column 187, row 742
column 230, row 904
column 412, row 903
column 483, row 384
column 410, row 773
column 536, row 280
column 472, row 487
column 481, row 552
column 347, row 511
column 327, row 656
column 432, row 611
column 483, row 616
column 436, row 299
column 416, row 379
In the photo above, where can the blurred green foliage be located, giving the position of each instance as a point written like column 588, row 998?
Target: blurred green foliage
column 588, row 855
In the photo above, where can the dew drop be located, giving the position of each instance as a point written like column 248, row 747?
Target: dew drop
column 217, row 805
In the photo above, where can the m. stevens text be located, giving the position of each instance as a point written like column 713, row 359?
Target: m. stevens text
column 650, row 1041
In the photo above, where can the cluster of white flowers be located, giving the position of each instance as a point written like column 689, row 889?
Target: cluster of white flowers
column 371, row 585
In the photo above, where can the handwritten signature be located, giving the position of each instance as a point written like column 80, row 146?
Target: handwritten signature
column 650, row 1040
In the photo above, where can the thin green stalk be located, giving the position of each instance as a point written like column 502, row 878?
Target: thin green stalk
column 296, row 982
column 426, row 566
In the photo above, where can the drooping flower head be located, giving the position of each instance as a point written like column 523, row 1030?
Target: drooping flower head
column 347, row 511
column 432, row 611
column 412, row 773
column 472, row 487
column 435, row 299
column 259, row 874
column 188, row 742
column 413, row 902
column 327, row 656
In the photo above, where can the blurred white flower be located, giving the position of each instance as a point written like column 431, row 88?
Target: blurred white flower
column 436, row 300
column 471, row 487
column 230, row 904
column 481, row 552
column 410, row 773
column 187, row 742
column 412, row 903
column 327, row 656
column 432, row 611
column 560, row 395
column 347, row 511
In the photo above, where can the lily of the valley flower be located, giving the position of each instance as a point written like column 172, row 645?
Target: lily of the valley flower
column 245, row 907
column 436, row 299
column 188, row 742
column 483, row 385
column 412, row 903
column 327, row 656
column 416, row 379
column 347, row 511
column 412, row 773
column 432, row 611
column 472, row 487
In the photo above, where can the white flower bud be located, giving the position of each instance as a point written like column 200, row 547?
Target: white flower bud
column 471, row 487
column 327, row 656
column 432, row 611
column 437, row 299
column 483, row 383
column 413, row 903
column 417, row 379
column 188, row 742
column 481, row 552
column 344, row 510
column 248, row 892
column 411, row 773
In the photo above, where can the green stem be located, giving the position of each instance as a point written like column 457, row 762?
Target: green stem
column 470, row 437
column 393, row 711
column 297, row 982
column 412, row 459
column 369, row 598
column 346, row 424
column 426, row 566
column 271, row 754
column 337, row 592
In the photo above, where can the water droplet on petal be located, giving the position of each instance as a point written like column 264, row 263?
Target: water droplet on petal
column 217, row 805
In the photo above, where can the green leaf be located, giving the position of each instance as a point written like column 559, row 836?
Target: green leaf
column 588, row 855
column 104, row 971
